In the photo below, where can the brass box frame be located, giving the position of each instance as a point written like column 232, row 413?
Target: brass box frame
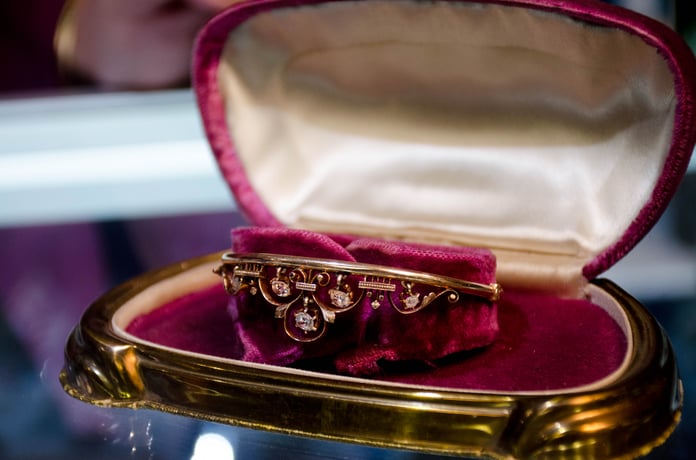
column 625, row 418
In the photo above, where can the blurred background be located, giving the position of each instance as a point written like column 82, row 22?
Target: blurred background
column 105, row 173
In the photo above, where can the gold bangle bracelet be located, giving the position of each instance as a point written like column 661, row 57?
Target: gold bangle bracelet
column 314, row 290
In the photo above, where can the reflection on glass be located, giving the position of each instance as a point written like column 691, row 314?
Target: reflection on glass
column 212, row 446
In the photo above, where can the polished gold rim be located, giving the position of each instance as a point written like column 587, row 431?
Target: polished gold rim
column 623, row 419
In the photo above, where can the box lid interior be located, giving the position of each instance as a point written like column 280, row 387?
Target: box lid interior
column 553, row 133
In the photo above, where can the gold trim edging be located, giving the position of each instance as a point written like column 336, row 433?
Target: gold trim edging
column 624, row 419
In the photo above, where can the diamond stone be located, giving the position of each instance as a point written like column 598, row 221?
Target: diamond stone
column 305, row 322
column 339, row 298
column 236, row 283
column 280, row 287
column 412, row 301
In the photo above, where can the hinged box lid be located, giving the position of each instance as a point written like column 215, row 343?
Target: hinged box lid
column 554, row 132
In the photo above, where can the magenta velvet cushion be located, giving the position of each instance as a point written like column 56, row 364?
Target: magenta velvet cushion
column 440, row 329
column 262, row 337
column 364, row 337
column 361, row 339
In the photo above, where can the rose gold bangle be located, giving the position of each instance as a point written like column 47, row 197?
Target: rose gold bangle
column 309, row 292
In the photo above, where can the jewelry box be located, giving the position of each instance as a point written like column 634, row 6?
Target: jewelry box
column 551, row 133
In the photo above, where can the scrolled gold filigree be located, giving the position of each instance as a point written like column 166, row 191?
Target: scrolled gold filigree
column 309, row 293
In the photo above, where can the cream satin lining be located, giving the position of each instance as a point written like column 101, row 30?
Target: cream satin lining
column 525, row 132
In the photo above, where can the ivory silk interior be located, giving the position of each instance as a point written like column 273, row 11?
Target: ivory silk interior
column 496, row 126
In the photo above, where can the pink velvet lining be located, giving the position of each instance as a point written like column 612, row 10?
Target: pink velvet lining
column 197, row 322
column 545, row 343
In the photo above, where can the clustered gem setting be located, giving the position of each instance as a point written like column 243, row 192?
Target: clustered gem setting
column 308, row 293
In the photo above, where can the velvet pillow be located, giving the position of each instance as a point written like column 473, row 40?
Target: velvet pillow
column 440, row 329
column 374, row 332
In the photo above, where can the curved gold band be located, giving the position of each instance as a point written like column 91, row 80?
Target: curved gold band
column 309, row 292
